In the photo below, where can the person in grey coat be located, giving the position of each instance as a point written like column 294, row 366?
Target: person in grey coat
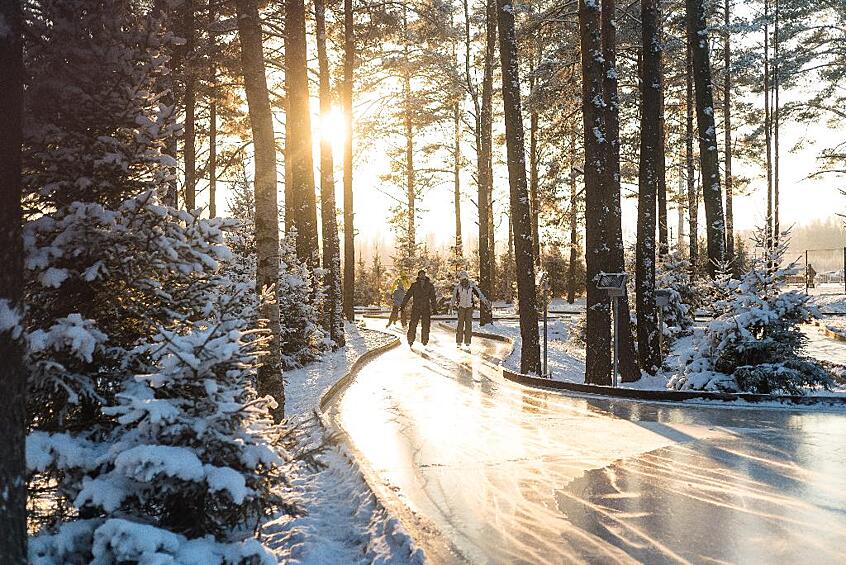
column 463, row 302
column 396, row 302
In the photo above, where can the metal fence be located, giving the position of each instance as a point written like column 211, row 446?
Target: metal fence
column 821, row 271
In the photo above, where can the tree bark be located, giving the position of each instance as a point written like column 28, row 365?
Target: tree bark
column 650, row 156
column 727, row 135
column 768, row 128
column 189, row 138
column 456, row 176
column 349, row 227
column 520, row 214
column 333, row 306
column 697, row 36
column 692, row 196
column 267, row 211
column 13, row 474
column 408, row 128
column 776, row 119
column 574, row 223
column 212, row 114
column 485, row 165
column 629, row 370
column 663, row 225
column 162, row 12
column 597, row 257
column 298, row 145
column 533, row 183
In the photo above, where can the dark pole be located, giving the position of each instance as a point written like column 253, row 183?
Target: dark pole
column 806, row 271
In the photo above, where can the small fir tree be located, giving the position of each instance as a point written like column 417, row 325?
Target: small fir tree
column 754, row 344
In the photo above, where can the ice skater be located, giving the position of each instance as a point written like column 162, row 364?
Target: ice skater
column 424, row 304
column 396, row 305
column 463, row 299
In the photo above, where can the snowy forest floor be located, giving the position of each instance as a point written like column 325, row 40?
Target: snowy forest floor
column 566, row 358
column 341, row 520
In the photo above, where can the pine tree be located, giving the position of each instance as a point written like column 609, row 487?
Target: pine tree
column 302, row 207
column 487, row 252
column 651, row 160
column 520, row 212
column 628, row 362
column 267, row 212
column 598, row 342
column 333, row 311
column 755, row 342
column 347, row 100
column 697, row 37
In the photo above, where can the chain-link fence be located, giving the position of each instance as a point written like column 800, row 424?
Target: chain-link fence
column 821, row 271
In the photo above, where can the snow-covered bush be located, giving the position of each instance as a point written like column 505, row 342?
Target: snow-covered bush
column 99, row 281
column 145, row 428
column 188, row 449
column 303, row 339
column 673, row 277
column 754, row 343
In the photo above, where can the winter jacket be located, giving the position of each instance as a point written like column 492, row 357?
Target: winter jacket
column 422, row 291
column 462, row 296
column 398, row 296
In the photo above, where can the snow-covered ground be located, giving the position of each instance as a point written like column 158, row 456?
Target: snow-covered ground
column 342, row 522
column 834, row 303
column 567, row 360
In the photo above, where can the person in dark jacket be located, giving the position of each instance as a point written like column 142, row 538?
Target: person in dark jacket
column 422, row 293
column 396, row 303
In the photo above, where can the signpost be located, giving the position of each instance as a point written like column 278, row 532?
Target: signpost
column 615, row 285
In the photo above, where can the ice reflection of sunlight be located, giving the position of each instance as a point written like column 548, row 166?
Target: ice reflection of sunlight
column 511, row 474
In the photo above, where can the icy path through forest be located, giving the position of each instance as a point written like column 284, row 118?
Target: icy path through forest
column 484, row 471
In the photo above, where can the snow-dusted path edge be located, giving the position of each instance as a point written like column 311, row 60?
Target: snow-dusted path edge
column 656, row 395
column 343, row 520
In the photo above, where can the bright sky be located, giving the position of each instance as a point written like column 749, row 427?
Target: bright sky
column 803, row 199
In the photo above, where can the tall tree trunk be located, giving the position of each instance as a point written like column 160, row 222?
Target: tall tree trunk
column 629, row 370
column 533, row 164
column 456, row 175
column 212, row 113
column 697, row 36
column 776, row 88
column 189, row 139
column 727, row 125
column 768, row 127
column 267, row 212
column 349, row 227
column 162, row 12
column 333, row 306
column 408, row 125
column 13, row 475
column 681, row 197
column 520, row 214
column 597, row 257
column 533, row 184
column 651, row 155
column 298, row 146
column 485, row 165
column 692, row 196
column 663, row 235
column 574, row 223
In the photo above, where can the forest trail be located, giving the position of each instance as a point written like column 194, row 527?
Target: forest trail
column 483, row 471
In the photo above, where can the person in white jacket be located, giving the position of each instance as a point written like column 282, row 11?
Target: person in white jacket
column 463, row 300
